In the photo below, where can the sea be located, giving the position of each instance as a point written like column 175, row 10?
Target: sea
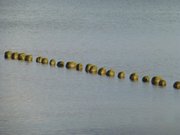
column 140, row 36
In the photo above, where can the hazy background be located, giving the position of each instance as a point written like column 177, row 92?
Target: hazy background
column 131, row 35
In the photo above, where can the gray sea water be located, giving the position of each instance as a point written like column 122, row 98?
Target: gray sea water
column 131, row 35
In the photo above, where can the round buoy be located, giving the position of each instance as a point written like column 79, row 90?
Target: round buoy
column 110, row 73
column 162, row 83
column 60, row 64
column 79, row 67
column 93, row 69
column 21, row 56
column 14, row 55
column 71, row 65
column 52, row 62
column 29, row 58
column 177, row 85
column 44, row 61
column 146, row 79
column 102, row 71
column 7, row 55
column 155, row 80
column 121, row 75
column 39, row 59
column 134, row 77
column 87, row 68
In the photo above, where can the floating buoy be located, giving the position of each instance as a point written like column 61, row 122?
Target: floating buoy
column 29, row 58
column 39, row 59
column 110, row 73
column 134, row 77
column 146, row 79
column 162, row 83
column 71, row 65
column 21, row 56
column 14, row 55
column 79, row 67
column 102, row 71
column 93, row 69
column 88, row 66
column 52, row 62
column 44, row 61
column 177, row 85
column 121, row 75
column 155, row 80
column 60, row 64
column 7, row 55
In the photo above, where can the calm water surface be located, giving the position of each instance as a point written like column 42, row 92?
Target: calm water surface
column 136, row 36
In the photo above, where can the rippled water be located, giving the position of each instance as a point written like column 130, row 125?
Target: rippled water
column 136, row 36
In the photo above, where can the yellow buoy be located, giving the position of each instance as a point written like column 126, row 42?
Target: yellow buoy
column 102, row 71
column 88, row 66
column 177, row 85
column 121, row 75
column 60, row 64
column 146, row 79
column 162, row 83
column 52, row 62
column 14, row 56
column 7, row 55
column 134, row 77
column 93, row 69
column 155, row 80
column 39, row 59
column 21, row 56
column 71, row 65
column 79, row 67
column 29, row 58
column 110, row 73
column 44, row 61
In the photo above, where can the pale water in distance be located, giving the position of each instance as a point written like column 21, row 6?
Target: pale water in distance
column 135, row 36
